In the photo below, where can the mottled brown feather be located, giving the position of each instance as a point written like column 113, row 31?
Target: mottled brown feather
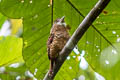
column 56, row 43
column 50, row 40
column 58, row 38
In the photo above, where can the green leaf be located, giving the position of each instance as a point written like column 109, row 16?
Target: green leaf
column 10, row 50
column 22, row 8
column 100, row 40
column 14, row 72
column 36, row 31
column 2, row 20
column 70, row 69
column 18, row 70
column 7, row 77
column 101, row 56
column 36, row 35
column 96, row 42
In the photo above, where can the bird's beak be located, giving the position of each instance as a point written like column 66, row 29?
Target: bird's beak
column 62, row 19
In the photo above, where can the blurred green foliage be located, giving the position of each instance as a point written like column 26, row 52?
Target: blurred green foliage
column 97, row 42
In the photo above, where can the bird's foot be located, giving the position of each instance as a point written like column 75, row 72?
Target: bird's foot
column 51, row 73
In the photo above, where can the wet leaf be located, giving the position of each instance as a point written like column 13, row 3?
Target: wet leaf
column 97, row 42
column 10, row 50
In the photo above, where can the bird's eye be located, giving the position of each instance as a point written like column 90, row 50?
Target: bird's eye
column 57, row 20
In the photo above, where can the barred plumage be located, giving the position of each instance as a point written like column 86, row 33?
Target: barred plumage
column 58, row 37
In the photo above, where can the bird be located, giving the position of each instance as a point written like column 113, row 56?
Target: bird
column 59, row 35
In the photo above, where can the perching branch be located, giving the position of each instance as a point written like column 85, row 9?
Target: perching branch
column 92, row 15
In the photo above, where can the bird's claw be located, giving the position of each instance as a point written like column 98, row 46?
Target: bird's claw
column 50, row 73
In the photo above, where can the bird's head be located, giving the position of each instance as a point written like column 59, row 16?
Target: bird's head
column 60, row 21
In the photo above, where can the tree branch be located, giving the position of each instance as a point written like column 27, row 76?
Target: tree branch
column 92, row 15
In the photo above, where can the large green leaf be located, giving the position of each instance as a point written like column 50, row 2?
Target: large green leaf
column 10, row 50
column 21, row 8
column 101, row 42
column 35, row 38
column 2, row 20
column 15, row 71
column 35, row 43
column 98, row 40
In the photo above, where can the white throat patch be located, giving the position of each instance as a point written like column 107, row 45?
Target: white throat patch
column 59, row 23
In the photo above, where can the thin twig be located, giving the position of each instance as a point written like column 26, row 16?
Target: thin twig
column 92, row 15
column 52, row 3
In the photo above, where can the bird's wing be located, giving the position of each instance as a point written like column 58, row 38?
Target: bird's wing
column 50, row 40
